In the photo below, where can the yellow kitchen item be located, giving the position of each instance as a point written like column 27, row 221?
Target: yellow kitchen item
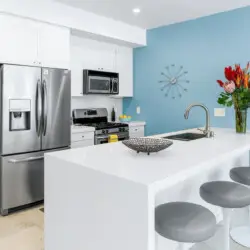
column 113, row 138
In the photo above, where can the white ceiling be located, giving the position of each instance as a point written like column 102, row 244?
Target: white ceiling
column 155, row 13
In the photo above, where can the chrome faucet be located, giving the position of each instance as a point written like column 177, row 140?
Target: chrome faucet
column 207, row 130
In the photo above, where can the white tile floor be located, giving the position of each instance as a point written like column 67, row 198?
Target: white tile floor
column 24, row 231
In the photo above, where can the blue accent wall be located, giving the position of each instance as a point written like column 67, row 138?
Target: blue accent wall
column 203, row 47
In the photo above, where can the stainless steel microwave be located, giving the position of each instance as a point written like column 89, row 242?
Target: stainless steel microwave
column 100, row 82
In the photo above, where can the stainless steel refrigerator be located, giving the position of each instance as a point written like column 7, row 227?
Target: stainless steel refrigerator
column 34, row 119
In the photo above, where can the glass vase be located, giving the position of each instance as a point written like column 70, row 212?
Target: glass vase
column 241, row 120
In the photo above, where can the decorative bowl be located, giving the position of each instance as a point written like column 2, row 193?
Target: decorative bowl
column 147, row 145
column 125, row 119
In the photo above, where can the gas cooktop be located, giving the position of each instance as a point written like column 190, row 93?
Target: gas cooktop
column 104, row 125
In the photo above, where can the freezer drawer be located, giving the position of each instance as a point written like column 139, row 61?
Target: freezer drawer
column 22, row 180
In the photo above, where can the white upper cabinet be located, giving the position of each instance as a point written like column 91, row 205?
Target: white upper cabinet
column 88, row 54
column 18, row 42
column 53, row 46
column 96, row 55
column 124, row 66
column 33, row 43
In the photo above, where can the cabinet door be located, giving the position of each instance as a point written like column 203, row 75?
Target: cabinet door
column 54, row 46
column 124, row 66
column 84, row 143
column 18, row 43
column 88, row 54
column 99, row 57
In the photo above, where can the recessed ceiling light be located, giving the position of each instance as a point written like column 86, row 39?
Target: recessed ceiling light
column 136, row 10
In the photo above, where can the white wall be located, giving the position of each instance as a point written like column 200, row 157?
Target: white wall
column 76, row 19
column 97, row 102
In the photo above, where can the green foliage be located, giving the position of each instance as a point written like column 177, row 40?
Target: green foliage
column 240, row 98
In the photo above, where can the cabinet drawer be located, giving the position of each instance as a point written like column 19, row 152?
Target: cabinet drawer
column 84, row 143
column 136, row 129
column 82, row 136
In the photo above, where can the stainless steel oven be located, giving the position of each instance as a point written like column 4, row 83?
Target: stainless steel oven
column 101, row 139
column 100, row 82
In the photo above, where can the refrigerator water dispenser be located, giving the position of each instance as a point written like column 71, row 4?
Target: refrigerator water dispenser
column 19, row 114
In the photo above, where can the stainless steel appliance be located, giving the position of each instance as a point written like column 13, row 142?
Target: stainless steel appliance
column 34, row 119
column 98, row 118
column 100, row 82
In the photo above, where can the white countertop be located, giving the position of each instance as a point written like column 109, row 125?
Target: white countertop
column 134, row 123
column 81, row 129
column 180, row 160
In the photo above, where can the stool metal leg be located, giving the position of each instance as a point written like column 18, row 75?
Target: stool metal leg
column 226, row 227
column 241, row 235
column 156, row 242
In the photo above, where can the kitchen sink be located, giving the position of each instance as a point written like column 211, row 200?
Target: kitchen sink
column 185, row 137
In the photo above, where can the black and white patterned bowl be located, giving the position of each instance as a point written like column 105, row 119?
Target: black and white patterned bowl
column 147, row 145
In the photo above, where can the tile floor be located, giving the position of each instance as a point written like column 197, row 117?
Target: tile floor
column 24, row 231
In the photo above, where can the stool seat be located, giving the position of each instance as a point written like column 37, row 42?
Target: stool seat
column 225, row 194
column 241, row 175
column 184, row 222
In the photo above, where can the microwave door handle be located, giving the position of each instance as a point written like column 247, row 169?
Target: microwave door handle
column 38, row 107
column 110, row 86
column 45, row 107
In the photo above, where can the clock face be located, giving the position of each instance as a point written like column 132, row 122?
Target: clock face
column 174, row 81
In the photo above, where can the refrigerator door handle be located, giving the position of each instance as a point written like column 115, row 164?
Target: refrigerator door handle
column 38, row 107
column 45, row 107
column 15, row 161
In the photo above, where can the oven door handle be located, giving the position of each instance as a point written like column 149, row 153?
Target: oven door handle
column 15, row 161
column 102, row 137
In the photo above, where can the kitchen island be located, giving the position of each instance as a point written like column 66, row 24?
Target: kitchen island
column 103, row 197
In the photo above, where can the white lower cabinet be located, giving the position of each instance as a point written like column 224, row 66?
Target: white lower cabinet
column 79, row 140
column 137, row 131
column 81, row 144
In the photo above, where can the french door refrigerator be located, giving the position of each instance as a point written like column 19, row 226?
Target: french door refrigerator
column 34, row 119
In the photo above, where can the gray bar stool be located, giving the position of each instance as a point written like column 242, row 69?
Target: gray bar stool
column 184, row 222
column 227, row 195
column 241, row 235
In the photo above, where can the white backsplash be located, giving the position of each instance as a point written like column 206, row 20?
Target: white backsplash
column 99, row 101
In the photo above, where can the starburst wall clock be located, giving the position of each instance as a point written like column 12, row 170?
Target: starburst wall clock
column 174, row 82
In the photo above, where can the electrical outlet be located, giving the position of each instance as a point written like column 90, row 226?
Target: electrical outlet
column 138, row 110
column 219, row 112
